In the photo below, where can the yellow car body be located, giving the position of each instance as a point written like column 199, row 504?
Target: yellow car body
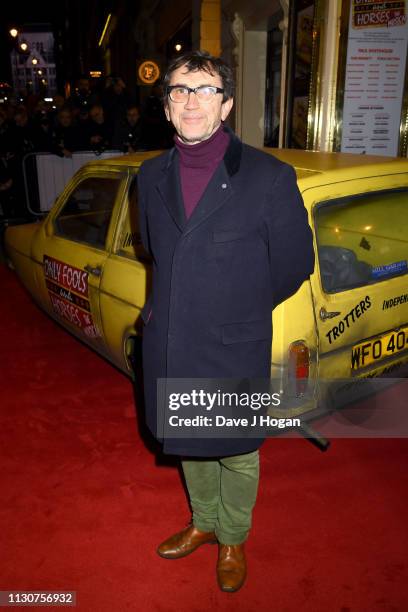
column 85, row 266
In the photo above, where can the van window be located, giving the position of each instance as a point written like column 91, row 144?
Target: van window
column 85, row 216
column 362, row 240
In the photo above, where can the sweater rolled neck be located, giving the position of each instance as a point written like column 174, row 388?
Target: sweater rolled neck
column 203, row 154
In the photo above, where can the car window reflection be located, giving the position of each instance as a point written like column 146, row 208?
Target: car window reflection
column 86, row 215
column 362, row 240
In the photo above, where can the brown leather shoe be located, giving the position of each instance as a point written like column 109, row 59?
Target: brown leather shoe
column 231, row 567
column 185, row 542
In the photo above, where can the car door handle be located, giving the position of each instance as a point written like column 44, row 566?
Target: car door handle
column 324, row 314
column 97, row 271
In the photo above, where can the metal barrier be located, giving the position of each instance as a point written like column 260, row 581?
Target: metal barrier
column 45, row 176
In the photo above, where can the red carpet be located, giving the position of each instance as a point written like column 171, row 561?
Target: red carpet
column 84, row 503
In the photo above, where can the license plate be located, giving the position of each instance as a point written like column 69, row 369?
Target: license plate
column 371, row 351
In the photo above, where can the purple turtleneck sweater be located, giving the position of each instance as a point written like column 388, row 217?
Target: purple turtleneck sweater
column 198, row 163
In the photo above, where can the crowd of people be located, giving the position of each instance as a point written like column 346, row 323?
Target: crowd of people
column 88, row 120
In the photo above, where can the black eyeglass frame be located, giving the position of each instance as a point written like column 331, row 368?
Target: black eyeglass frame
column 191, row 90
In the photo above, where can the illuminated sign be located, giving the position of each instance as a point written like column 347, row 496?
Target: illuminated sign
column 368, row 14
column 148, row 72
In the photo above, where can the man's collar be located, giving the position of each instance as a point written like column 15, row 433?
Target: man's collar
column 232, row 157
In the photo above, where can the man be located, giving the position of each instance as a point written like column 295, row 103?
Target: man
column 66, row 137
column 99, row 130
column 228, row 235
column 115, row 99
column 82, row 98
column 24, row 137
column 157, row 133
column 127, row 134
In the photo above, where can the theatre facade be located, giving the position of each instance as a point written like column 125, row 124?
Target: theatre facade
column 326, row 75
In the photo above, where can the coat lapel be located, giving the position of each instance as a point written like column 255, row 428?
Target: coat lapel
column 219, row 189
column 217, row 192
column 169, row 188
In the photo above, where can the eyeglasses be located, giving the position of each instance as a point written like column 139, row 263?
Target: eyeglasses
column 181, row 93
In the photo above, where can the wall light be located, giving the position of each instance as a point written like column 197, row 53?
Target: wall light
column 105, row 27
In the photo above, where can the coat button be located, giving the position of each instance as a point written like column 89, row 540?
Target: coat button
column 224, row 186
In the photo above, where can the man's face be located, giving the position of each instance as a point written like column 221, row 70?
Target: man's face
column 83, row 86
column 133, row 116
column 118, row 86
column 21, row 119
column 64, row 117
column 196, row 121
column 96, row 114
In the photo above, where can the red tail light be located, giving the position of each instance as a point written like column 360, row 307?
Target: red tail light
column 299, row 362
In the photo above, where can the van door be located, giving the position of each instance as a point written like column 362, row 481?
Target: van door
column 72, row 250
column 360, row 284
column 125, row 283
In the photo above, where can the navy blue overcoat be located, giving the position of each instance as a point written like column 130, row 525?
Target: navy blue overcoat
column 218, row 275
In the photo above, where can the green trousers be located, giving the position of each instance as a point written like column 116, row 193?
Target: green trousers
column 222, row 494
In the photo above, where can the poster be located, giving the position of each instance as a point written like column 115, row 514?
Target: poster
column 68, row 292
column 375, row 75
